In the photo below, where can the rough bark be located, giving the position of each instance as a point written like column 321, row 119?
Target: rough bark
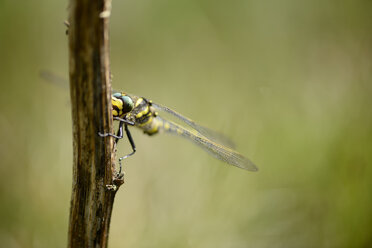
column 94, row 176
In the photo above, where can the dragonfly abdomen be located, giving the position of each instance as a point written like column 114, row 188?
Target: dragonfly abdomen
column 151, row 126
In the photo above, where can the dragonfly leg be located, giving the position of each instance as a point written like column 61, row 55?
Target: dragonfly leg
column 129, row 135
column 130, row 123
column 119, row 134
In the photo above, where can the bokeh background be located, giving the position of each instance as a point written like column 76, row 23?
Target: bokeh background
column 289, row 81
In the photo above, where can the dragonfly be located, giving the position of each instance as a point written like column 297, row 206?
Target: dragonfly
column 131, row 110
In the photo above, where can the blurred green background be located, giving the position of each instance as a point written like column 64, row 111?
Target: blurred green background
column 289, row 81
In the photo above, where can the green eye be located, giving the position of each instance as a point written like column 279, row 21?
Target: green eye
column 128, row 104
column 117, row 95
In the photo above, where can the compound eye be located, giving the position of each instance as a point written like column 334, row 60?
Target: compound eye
column 128, row 104
column 117, row 95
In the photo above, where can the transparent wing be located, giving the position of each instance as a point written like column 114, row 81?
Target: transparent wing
column 53, row 78
column 208, row 133
column 62, row 82
column 218, row 151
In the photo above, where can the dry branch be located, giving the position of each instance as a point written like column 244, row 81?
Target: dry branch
column 90, row 88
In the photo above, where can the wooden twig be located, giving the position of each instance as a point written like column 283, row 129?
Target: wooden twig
column 94, row 182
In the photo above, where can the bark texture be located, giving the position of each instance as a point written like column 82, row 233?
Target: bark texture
column 94, row 182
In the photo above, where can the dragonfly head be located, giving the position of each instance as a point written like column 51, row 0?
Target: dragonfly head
column 121, row 104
